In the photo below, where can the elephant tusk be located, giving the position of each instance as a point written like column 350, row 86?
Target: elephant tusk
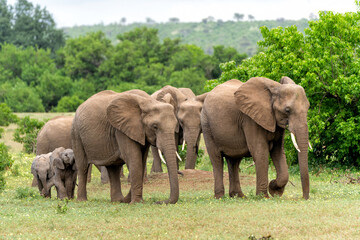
column 161, row 156
column 178, row 156
column 310, row 146
column 183, row 146
column 294, row 142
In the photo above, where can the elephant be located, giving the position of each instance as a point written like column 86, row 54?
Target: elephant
column 57, row 133
column 112, row 129
column 187, row 110
column 44, row 173
column 63, row 163
column 249, row 119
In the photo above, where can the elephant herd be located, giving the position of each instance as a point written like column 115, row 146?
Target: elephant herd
column 237, row 120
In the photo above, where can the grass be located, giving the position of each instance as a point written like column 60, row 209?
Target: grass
column 332, row 212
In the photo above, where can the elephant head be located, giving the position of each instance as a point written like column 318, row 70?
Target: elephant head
column 271, row 104
column 187, row 109
column 42, row 170
column 65, row 159
column 140, row 117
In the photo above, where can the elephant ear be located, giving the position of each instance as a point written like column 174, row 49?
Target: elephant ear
column 254, row 98
column 175, row 93
column 201, row 98
column 124, row 113
column 59, row 164
column 286, row 80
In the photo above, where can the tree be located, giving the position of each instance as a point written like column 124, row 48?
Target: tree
column 251, row 17
column 84, row 55
column 5, row 22
column 20, row 97
column 174, row 20
column 27, row 132
column 34, row 26
column 238, row 17
column 325, row 61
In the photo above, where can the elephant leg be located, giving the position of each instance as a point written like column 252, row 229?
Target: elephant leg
column 122, row 172
column 89, row 173
column 136, row 169
column 145, row 155
column 34, row 182
column 61, row 188
column 156, row 166
column 234, row 181
column 104, row 174
column 115, row 184
column 277, row 186
column 82, row 168
column 40, row 186
column 217, row 162
column 258, row 145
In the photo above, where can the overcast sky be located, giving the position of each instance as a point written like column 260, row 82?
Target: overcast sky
column 68, row 13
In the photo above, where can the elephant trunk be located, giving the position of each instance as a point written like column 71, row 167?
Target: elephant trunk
column 45, row 191
column 302, row 138
column 192, row 140
column 171, row 163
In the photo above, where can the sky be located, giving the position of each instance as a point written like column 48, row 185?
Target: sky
column 68, row 13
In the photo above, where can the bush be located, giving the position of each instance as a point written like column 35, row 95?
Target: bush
column 27, row 192
column 6, row 162
column 27, row 132
column 68, row 104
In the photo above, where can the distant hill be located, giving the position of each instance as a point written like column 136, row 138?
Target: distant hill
column 242, row 35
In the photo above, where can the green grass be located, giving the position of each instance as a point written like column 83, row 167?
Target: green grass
column 331, row 213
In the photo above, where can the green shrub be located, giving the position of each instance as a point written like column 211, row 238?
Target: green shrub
column 26, row 133
column 27, row 192
column 6, row 162
column 68, row 104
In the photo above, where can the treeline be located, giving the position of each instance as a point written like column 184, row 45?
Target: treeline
column 36, row 80
column 241, row 35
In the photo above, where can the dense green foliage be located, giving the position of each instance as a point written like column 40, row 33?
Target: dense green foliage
column 6, row 117
column 25, row 25
column 32, row 80
column 27, row 132
column 241, row 35
column 326, row 62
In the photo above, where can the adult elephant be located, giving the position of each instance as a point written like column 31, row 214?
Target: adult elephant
column 249, row 119
column 112, row 129
column 187, row 110
column 57, row 133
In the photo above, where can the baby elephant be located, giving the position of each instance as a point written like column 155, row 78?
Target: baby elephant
column 43, row 172
column 63, row 163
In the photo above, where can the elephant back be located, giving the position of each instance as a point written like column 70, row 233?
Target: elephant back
column 55, row 133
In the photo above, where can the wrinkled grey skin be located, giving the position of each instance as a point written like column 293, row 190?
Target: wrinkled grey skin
column 187, row 110
column 57, row 133
column 63, row 163
column 43, row 173
column 249, row 119
column 112, row 129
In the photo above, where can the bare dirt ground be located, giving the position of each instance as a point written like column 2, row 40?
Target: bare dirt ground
column 193, row 179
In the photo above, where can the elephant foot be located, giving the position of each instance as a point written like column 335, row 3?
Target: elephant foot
column 237, row 194
column 140, row 200
column 81, row 199
column 166, row 202
column 275, row 190
column 219, row 195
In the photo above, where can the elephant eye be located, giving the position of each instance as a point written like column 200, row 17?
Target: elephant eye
column 287, row 110
column 155, row 126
